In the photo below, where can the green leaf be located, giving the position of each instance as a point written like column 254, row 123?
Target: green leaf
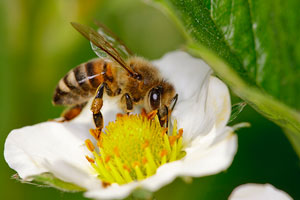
column 265, row 104
column 48, row 180
column 253, row 46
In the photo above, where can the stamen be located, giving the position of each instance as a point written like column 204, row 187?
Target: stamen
column 180, row 132
column 163, row 156
column 119, row 115
column 105, row 184
column 144, row 113
column 115, row 173
column 95, row 133
column 91, row 160
column 174, row 151
column 138, row 171
column 167, row 143
column 172, row 140
column 152, row 114
column 133, row 147
column 149, row 171
column 127, row 174
column 89, row 145
column 150, row 160
column 107, row 158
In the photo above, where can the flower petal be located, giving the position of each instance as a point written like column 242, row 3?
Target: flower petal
column 113, row 191
column 187, row 73
column 189, row 76
column 30, row 150
column 258, row 192
column 68, row 172
column 56, row 147
column 201, row 161
column 204, row 100
column 218, row 102
column 164, row 175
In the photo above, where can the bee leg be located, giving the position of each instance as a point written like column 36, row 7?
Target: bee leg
column 128, row 102
column 97, row 105
column 163, row 116
column 164, row 113
column 72, row 112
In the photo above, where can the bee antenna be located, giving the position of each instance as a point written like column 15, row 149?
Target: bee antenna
column 174, row 101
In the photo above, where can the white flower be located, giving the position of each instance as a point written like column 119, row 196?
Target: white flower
column 202, row 110
column 258, row 192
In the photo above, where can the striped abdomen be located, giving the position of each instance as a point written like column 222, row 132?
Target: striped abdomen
column 80, row 84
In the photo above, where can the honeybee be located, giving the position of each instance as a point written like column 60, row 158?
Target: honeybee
column 116, row 72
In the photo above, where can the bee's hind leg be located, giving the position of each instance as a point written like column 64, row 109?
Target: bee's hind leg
column 70, row 113
column 73, row 112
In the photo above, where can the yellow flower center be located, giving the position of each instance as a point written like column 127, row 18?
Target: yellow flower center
column 133, row 147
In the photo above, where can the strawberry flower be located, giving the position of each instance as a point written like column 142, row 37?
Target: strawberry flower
column 205, row 145
column 259, row 192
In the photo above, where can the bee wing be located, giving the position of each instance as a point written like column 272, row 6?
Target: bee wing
column 102, row 45
column 114, row 40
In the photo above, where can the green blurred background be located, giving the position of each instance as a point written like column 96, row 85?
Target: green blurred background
column 38, row 46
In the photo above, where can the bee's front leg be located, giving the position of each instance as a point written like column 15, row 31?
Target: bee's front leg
column 127, row 101
column 164, row 113
column 163, row 116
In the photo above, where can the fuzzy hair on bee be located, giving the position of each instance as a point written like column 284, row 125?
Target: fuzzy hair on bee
column 120, row 73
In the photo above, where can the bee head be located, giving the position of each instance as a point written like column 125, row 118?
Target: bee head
column 162, row 97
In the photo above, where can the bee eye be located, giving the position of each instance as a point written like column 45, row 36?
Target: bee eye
column 154, row 97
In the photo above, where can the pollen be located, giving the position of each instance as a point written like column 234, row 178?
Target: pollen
column 133, row 147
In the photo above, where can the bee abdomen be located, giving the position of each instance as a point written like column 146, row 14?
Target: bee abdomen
column 80, row 83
